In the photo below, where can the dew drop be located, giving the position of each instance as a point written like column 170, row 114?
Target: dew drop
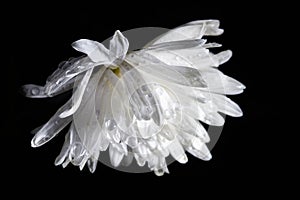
column 35, row 91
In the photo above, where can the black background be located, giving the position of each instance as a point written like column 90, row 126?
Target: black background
column 39, row 37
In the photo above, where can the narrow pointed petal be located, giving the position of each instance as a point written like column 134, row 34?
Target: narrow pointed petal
column 139, row 159
column 78, row 95
column 200, row 150
column 64, row 151
column 118, row 46
column 93, row 161
column 83, row 162
column 85, row 118
column 211, row 45
column 52, row 127
column 193, row 127
column 226, row 105
column 222, row 57
column 115, row 156
column 67, row 161
column 62, row 79
column 177, row 151
column 219, row 83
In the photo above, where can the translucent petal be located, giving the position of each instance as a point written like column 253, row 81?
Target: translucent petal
column 78, row 94
column 105, row 116
column 194, row 58
column 192, row 30
column 85, row 119
column 205, row 112
column 115, row 156
column 52, row 127
column 96, row 51
column 66, row 162
column 127, row 160
column 92, row 161
column 142, row 150
column 63, row 78
column 201, row 151
column 121, row 111
column 83, row 162
column 198, row 58
column 192, row 127
column 64, row 151
column 177, row 151
column 211, row 45
column 59, row 81
column 78, row 154
column 139, row 159
column 219, row 83
column 153, row 161
column 226, row 105
column 222, row 57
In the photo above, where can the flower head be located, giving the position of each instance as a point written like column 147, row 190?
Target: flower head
column 143, row 105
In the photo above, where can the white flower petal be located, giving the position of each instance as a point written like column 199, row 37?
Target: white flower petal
column 226, row 105
column 96, row 51
column 192, row 30
column 52, row 127
column 118, row 46
column 211, row 45
column 177, row 151
column 115, row 156
column 64, row 151
column 92, row 161
column 77, row 96
column 85, row 119
column 219, row 83
column 191, row 126
column 201, row 151
column 139, row 159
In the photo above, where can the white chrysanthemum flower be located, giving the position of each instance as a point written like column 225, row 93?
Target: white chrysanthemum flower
column 143, row 105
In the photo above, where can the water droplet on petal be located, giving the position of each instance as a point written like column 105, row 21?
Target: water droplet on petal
column 35, row 91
